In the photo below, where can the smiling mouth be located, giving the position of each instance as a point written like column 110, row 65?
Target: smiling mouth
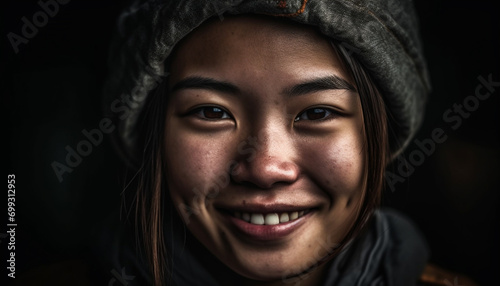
column 266, row 223
column 269, row 218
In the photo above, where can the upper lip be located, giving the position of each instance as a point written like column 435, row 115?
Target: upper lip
column 264, row 208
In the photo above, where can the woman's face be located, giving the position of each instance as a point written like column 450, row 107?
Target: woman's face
column 263, row 144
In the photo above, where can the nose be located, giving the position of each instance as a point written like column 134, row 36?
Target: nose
column 271, row 162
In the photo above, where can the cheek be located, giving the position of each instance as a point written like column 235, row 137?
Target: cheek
column 337, row 164
column 196, row 166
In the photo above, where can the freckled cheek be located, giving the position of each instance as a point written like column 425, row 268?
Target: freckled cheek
column 338, row 165
column 194, row 166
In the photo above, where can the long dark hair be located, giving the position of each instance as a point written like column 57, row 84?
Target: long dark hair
column 376, row 129
column 151, row 194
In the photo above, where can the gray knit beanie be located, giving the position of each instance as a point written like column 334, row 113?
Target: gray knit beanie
column 382, row 35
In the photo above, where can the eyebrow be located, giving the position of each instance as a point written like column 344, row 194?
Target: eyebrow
column 198, row 82
column 318, row 84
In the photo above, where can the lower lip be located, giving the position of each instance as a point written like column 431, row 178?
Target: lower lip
column 267, row 232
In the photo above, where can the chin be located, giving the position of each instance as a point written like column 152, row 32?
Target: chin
column 269, row 258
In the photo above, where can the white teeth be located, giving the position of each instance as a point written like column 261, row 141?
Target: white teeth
column 245, row 217
column 268, row 219
column 272, row 219
column 284, row 217
column 257, row 219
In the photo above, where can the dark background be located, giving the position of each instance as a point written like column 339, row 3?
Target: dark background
column 51, row 91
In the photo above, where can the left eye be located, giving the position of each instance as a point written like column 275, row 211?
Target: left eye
column 315, row 114
column 211, row 113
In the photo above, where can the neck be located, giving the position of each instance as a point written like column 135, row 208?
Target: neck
column 316, row 277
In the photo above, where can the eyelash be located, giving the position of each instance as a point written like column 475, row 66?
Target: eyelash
column 200, row 112
column 330, row 114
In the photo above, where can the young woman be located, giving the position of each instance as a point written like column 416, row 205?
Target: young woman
column 260, row 131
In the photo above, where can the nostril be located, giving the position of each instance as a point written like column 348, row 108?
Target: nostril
column 265, row 172
column 249, row 185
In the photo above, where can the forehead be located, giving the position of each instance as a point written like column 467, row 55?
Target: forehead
column 246, row 28
column 255, row 43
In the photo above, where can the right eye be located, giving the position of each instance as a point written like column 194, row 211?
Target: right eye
column 211, row 113
column 317, row 114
